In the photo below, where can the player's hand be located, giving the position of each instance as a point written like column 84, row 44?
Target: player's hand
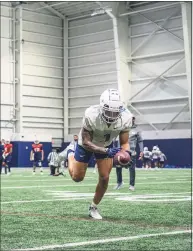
column 112, row 151
column 140, row 155
column 131, row 161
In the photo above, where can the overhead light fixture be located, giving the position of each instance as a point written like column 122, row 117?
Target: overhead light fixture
column 100, row 11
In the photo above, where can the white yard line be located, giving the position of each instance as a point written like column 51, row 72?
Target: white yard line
column 34, row 201
column 91, row 195
column 87, row 185
column 99, row 241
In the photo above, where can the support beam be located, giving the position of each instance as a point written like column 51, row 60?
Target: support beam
column 142, row 116
column 149, row 74
column 171, row 121
column 51, row 9
column 14, row 65
column 19, row 70
column 187, row 30
column 154, row 32
column 65, row 58
column 159, row 26
column 149, row 9
column 121, row 33
column 158, row 77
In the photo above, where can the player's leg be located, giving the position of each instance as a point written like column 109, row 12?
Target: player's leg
column 132, row 174
column 149, row 164
column 6, row 165
column 104, row 169
column 78, row 163
column 156, row 164
column 34, row 166
column 8, row 162
column 77, row 170
column 1, row 161
column 119, row 178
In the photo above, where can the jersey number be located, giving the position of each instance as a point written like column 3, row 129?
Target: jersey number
column 107, row 137
column 37, row 149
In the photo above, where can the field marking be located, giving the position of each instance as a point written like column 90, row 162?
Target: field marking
column 99, row 241
column 34, row 201
column 155, row 199
column 86, row 185
column 79, row 198
column 90, row 179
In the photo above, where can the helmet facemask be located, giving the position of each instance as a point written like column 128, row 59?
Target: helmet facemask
column 111, row 114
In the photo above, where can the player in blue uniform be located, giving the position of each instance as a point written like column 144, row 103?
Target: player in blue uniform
column 101, row 125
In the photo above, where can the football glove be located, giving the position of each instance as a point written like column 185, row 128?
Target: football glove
column 111, row 152
column 131, row 161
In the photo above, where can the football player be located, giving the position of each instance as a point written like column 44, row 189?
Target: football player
column 146, row 158
column 162, row 160
column 37, row 156
column 7, row 156
column 155, row 156
column 101, row 124
column 1, row 154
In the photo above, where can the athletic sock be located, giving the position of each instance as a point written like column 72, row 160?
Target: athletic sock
column 93, row 204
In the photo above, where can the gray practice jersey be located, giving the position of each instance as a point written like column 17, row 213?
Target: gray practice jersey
column 147, row 154
column 156, row 154
column 134, row 139
column 102, row 134
column 162, row 157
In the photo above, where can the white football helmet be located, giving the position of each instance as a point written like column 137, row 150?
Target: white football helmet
column 155, row 148
column 36, row 141
column 110, row 105
column 7, row 141
column 145, row 148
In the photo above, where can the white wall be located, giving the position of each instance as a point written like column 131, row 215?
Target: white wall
column 159, row 102
column 39, row 69
column 6, row 81
column 92, row 65
column 42, row 72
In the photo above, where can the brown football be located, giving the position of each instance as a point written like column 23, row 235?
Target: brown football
column 122, row 158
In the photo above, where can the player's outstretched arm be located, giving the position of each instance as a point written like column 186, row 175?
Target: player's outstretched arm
column 87, row 137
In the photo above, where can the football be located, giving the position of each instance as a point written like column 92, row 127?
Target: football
column 122, row 158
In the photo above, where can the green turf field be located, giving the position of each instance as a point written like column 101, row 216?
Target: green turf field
column 50, row 213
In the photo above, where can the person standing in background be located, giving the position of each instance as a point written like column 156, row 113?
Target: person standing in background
column 7, row 156
column 134, row 139
column 37, row 156
column 1, row 153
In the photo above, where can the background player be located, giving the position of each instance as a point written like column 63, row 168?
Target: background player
column 101, row 124
column 146, row 158
column 1, row 154
column 162, row 160
column 53, row 161
column 37, row 156
column 134, row 139
column 155, row 157
column 7, row 156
